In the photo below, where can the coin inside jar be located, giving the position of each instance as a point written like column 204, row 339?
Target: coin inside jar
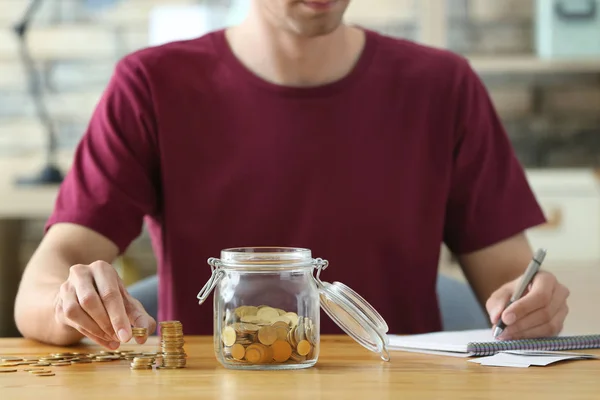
column 229, row 336
column 264, row 334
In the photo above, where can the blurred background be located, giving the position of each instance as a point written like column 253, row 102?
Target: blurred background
column 539, row 59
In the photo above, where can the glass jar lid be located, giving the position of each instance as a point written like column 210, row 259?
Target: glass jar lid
column 353, row 314
column 266, row 257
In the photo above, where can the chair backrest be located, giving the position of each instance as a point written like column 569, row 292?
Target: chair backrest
column 459, row 306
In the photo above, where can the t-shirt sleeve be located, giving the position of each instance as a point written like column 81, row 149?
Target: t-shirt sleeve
column 490, row 198
column 113, row 181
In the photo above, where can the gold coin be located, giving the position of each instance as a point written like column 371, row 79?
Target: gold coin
column 267, row 314
column 267, row 355
column 5, row 370
column 40, row 371
column 244, row 311
column 281, row 333
column 282, row 350
column 172, row 323
column 280, row 311
column 293, row 317
column 291, row 337
column 282, row 319
column 229, row 336
column 254, row 319
column 282, row 324
column 297, row 357
column 267, row 335
column 46, row 374
column 139, row 332
column 303, row 347
column 10, row 358
column 254, row 353
column 238, row 351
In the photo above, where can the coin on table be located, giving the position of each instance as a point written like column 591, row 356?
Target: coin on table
column 40, row 371
column 60, row 364
column 9, row 359
column 6, row 370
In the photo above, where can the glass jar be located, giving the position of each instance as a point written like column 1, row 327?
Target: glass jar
column 267, row 306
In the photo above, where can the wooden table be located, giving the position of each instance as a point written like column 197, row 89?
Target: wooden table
column 344, row 371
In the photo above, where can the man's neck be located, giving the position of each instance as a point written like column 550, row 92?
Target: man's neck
column 287, row 59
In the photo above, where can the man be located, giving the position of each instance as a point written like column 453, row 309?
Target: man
column 291, row 129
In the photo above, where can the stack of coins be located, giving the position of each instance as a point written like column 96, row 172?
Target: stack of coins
column 142, row 363
column 171, row 343
column 263, row 334
column 139, row 332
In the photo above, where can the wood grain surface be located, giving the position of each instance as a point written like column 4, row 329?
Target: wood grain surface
column 344, row 371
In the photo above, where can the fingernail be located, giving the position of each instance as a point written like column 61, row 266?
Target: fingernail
column 114, row 345
column 123, row 335
column 509, row 318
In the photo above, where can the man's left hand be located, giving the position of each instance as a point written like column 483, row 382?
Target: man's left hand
column 540, row 312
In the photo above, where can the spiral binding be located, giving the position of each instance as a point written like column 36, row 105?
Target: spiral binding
column 544, row 344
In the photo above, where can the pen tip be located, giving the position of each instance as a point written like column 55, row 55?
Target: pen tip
column 540, row 254
column 497, row 332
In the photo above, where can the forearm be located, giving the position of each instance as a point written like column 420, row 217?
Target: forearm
column 489, row 268
column 35, row 302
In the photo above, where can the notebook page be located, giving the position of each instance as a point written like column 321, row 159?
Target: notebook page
column 456, row 341
column 523, row 360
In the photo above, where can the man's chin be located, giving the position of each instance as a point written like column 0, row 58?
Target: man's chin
column 316, row 30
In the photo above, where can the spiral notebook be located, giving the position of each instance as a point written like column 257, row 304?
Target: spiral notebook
column 480, row 342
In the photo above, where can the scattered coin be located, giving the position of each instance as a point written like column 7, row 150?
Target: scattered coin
column 171, row 354
column 9, row 359
column 61, row 364
column 142, row 363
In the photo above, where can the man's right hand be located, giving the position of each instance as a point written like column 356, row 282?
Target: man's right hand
column 94, row 301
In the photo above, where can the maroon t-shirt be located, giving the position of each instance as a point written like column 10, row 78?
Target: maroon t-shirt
column 371, row 172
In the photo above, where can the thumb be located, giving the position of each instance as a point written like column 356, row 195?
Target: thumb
column 497, row 301
column 138, row 317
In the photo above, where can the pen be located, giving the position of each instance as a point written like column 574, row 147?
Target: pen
column 532, row 269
